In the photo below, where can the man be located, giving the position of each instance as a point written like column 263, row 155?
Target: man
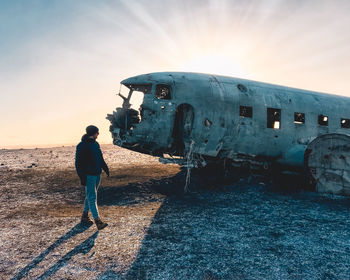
column 89, row 163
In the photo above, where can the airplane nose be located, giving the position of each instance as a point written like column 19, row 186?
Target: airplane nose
column 124, row 118
column 122, row 121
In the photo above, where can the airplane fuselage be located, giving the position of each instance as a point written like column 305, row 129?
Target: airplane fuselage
column 216, row 117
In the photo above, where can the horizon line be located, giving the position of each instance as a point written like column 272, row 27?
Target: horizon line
column 42, row 146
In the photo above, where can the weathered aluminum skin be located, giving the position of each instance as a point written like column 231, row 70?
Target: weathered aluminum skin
column 218, row 132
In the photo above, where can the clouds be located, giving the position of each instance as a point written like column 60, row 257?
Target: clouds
column 63, row 60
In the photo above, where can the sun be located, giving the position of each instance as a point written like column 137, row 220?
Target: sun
column 214, row 64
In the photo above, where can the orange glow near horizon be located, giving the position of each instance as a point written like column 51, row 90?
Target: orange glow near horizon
column 61, row 65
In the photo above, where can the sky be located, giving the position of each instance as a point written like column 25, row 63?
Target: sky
column 61, row 61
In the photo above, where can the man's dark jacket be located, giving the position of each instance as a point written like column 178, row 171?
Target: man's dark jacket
column 89, row 159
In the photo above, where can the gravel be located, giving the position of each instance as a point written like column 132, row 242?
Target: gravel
column 237, row 230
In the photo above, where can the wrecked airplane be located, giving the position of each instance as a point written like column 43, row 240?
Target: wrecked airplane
column 197, row 119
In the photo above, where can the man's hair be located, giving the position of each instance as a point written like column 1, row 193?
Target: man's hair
column 91, row 130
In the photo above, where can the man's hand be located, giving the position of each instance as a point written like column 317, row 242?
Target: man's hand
column 105, row 167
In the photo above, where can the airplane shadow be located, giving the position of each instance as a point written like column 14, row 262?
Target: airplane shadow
column 77, row 229
column 242, row 231
column 143, row 192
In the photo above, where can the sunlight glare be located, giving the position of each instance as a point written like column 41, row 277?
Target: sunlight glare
column 214, row 64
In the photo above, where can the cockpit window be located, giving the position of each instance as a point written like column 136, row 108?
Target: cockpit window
column 163, row 92
column 146, row 88
column 133, row 94
column 136, row 99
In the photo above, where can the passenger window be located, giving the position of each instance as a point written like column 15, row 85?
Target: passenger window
column 299, row 118
column 245, row 111
column 273, row 118
column 345, row 123
column 322, row 120
column 163, row 92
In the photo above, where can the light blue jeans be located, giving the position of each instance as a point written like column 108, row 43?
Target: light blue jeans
column 91, row 188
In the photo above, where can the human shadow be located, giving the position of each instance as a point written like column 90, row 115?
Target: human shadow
column 77, row 229
column 244, row 231
column 83, row 248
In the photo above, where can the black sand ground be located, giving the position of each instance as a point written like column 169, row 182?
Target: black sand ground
column 245, row 230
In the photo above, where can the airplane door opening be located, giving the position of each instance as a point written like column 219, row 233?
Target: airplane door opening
column 183, row 125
